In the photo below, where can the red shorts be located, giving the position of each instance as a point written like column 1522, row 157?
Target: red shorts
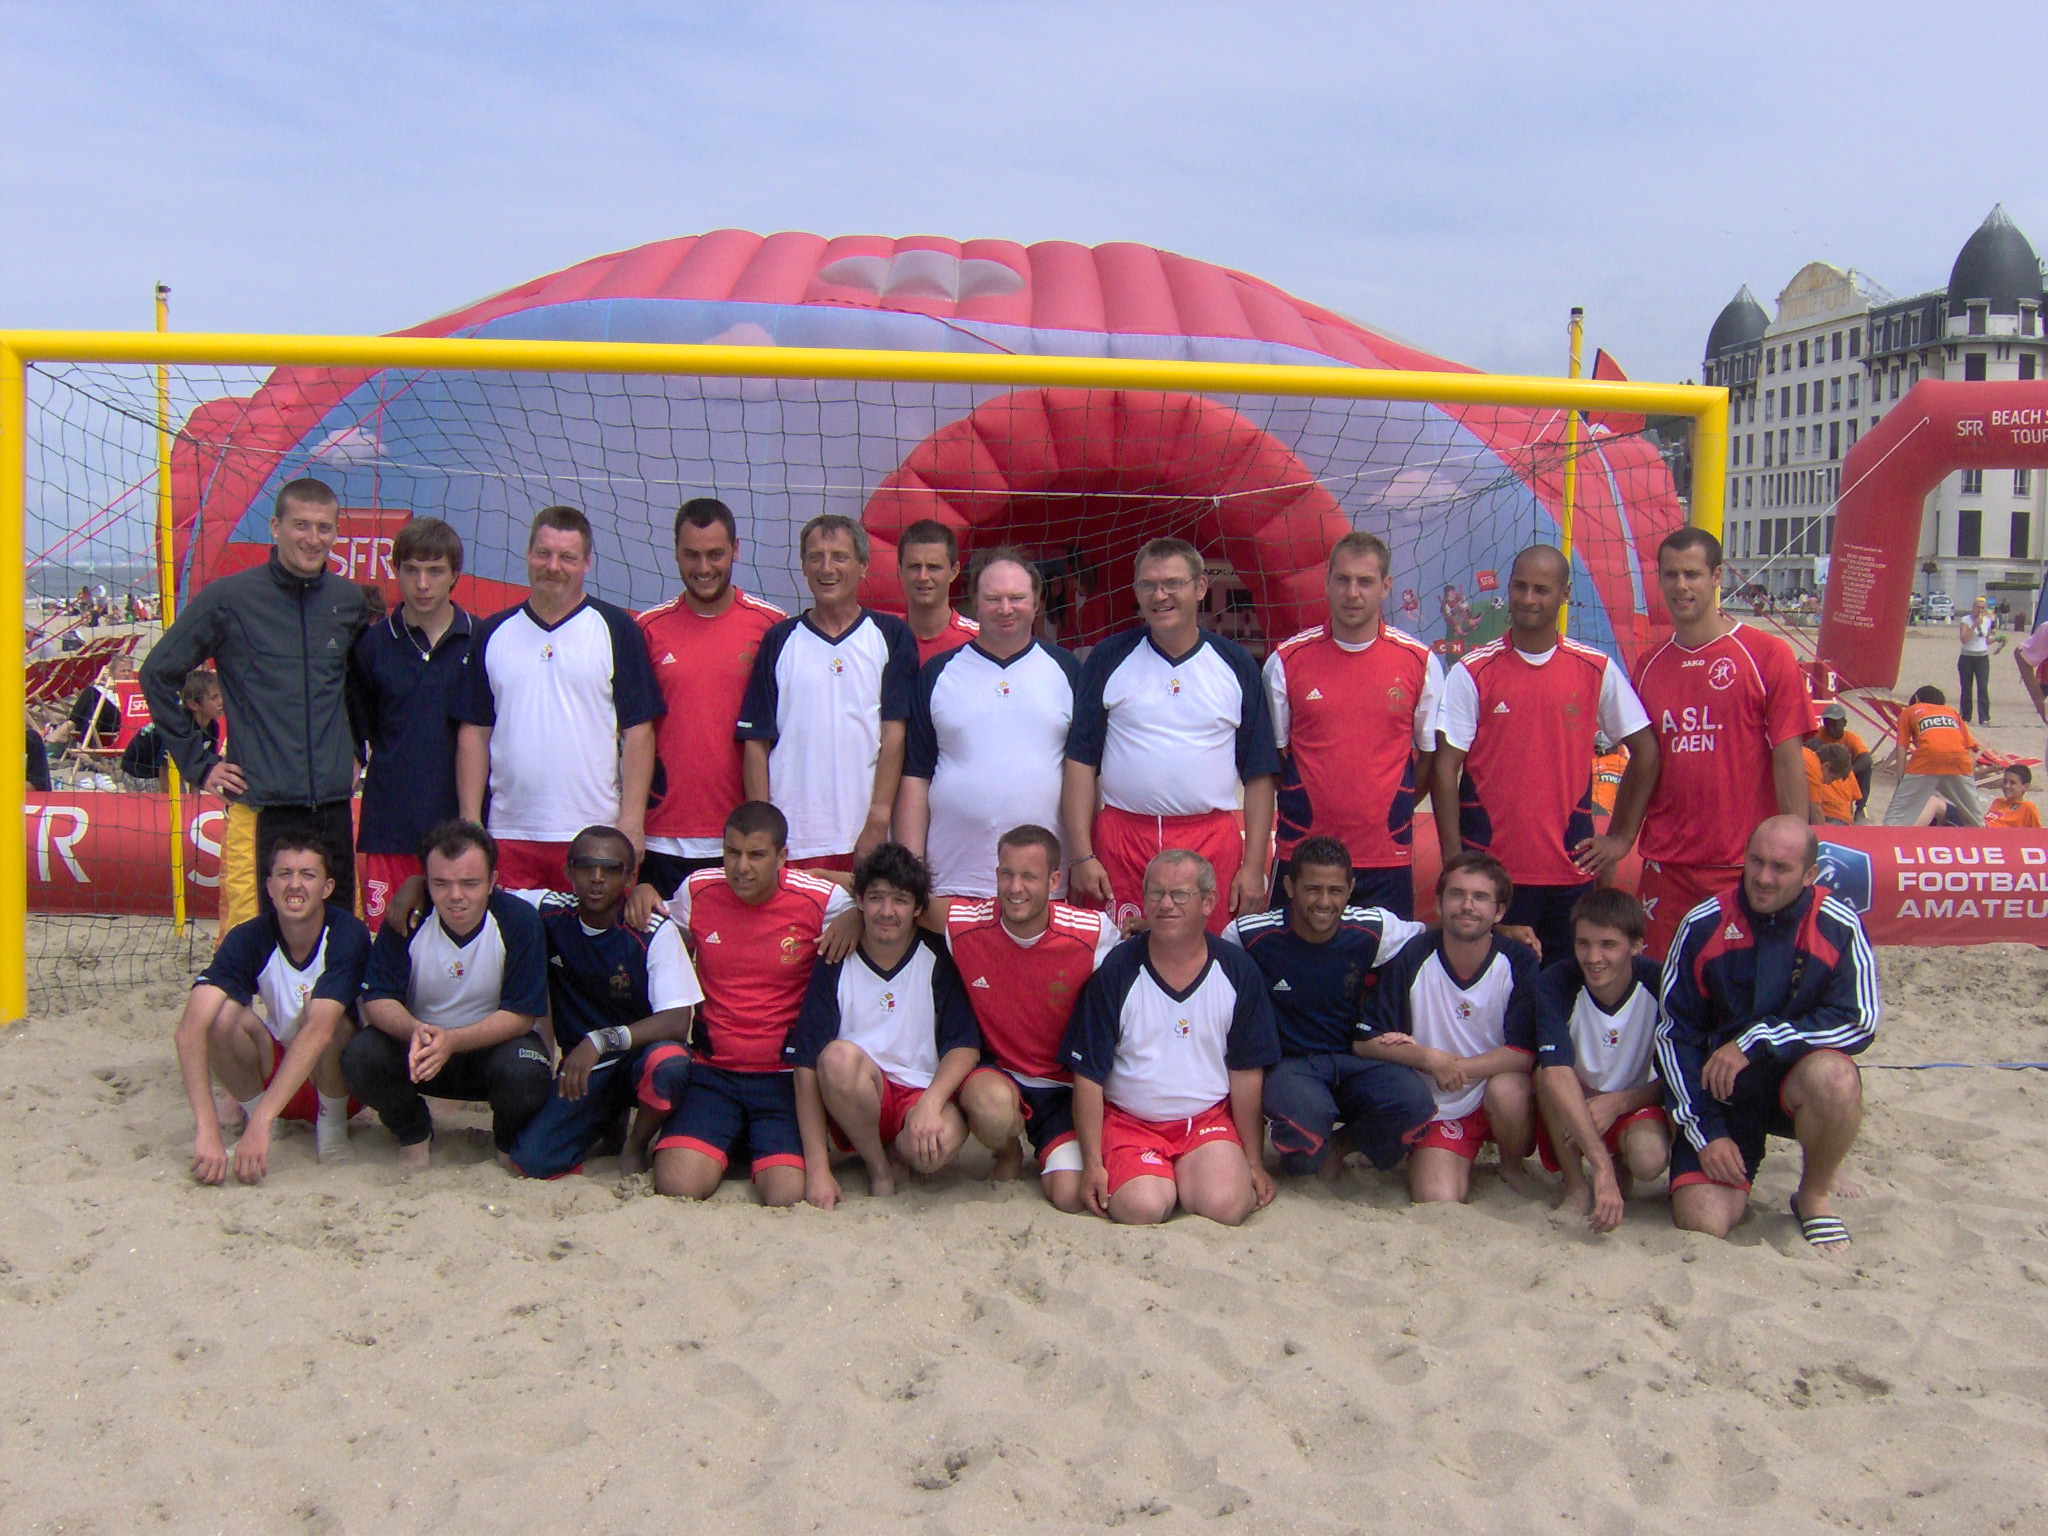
column 379, row 876
column 1136, row 1149
column 1669, row 891
column 1611, row 1141
column 841, row 862
column 305, row 1104
column 897, row 1102
column 1463, row 1136
column 1126, row 842
column 524, row 866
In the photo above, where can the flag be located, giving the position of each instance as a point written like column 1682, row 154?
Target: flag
column 1605, row 367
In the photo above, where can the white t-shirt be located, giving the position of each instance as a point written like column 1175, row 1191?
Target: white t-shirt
column 1457, row 713
column 820, row 703
column 1977, row 633
column 991, row 738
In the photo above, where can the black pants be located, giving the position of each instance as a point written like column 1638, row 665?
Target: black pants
column 513, row 1077
column 1974, row 672
column 331, row 824
column 1545, row 908
column 666, row 872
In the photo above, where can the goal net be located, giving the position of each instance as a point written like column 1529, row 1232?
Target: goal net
column 1076, row 463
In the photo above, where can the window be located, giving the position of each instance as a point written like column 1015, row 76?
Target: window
column 1854, row 381
column 1912, row 330
column 1802, row 354
column 1969, row 533
column 1781, row 534
column 1784, row 445
column 1852, row 431
column 1802, row 441
column 1802, row 399
column 1770, row 405
column 1834, row 439
column 2022, row 531
column 1749, row 448
column 1856, row 342
column 1785, row 400
column 2029, row 319
column 1748, row 491
column 2027, row 365
column 1895, row 383
column 2023, row 482
column 1767, row 451
column 1835, row 347
column 1973, row 482
column 1912, row 374
column 1827, row 537
column 1786, row 357
column 1834, row 394
column 1973, row 367
column 1770, row 360
column 1978, row 312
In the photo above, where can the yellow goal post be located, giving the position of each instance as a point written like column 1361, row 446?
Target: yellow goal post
column 1707, row 408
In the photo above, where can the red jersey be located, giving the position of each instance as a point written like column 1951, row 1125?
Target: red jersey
column 958, row 632
column 701, row 666
column 752, row 962
column 1023, row 994
column 1717, row 711
column 1346, row 722
column 1526, row 795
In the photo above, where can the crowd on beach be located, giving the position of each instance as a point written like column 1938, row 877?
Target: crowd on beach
column 716, row 885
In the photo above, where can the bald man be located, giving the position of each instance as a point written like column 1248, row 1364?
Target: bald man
column 1769, row 991
column 1514, row 734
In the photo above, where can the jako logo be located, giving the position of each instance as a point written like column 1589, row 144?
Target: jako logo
column 1846, row 872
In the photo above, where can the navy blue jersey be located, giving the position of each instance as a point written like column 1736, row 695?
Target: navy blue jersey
column 1162, row 1053
column 404, row 688
column 1318, row 990
column 905, row 1018
column 457, row 979
column 253, row 962
column 599, row 979
column 1780, row 986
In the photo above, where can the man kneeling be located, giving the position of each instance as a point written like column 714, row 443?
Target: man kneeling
column 451, row 1010
column 884, row 1041
column 1769, row 990
column 1170, row 1048
column 305, row 959
column 1441, row 1007
column 1597, row 1092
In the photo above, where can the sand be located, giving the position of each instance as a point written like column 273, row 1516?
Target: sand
column 348, row 1349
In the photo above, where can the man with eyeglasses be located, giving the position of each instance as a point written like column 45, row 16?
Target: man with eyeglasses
column 1169, row 1050
column 1171, row 726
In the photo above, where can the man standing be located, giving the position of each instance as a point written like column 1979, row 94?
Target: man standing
column 1769, row 991
column 1169, row 1050
column 987, row 737
column 453, row 1012
column 1171, row 724
column 406, row 668
column 1978, row 636
column 1731, row 715
column 556, row 706
column 822, row 723
column 1354, row 714
column 279, row 636
column 928, row 562
column 1515, row 754
column 702, row 646
column 1318, row 954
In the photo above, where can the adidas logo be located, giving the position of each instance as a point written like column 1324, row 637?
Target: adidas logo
column 712, row 937
column 980, row 981
column 668, row 658
column 554, row 960
column 1501, row 708
column 1731, row 932
column 1313, row 695
column 1281, row 985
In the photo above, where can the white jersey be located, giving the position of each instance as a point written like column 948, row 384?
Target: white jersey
column 1613, row 1049
column 1417, row 995
column 1172, row 735
column 905, row 1019
column 455, row 980
column 820, row 704
column 991, row 739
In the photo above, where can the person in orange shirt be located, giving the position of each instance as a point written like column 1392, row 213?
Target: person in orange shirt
column 1834, row 726
column 1830, row 788
column 2011, row 809
column 1608, row 767
column 1940, row 756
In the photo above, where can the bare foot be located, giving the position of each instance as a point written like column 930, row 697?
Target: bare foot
column 1009, row 1163
column 632, row 1160
column 1521, row 1181
column 229, row 1110
column 1331, row 1169
column 416, row 1155
column 1575, row 1205
column 887, row 1181
column 1847, row 1188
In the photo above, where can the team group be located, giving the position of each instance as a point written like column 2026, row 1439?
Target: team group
column 794, row 890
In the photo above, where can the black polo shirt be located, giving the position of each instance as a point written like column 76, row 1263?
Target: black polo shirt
column 403, row 690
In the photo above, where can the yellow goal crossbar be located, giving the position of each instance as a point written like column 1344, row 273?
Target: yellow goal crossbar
column 1707, row 406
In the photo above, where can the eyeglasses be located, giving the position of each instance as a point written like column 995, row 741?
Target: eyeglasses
column 1172, row 586
column 1180, row 898
column 609, row 866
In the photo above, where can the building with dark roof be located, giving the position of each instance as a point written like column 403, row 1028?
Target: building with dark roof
column 1804, row 384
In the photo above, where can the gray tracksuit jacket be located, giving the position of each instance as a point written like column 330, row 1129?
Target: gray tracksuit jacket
column 280, row 643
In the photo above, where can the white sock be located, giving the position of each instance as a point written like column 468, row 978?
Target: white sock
column 330, row 1129
column 333, row 1106
column 249, row 1106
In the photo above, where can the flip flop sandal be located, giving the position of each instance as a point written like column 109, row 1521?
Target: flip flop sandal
column 1821, row 1231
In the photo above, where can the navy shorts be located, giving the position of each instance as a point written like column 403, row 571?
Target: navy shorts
column 1753, row 1113
column 553, row 1142
column 1048, row 1109
column 666, row 872
column 1548, row 910
column 722, row 1111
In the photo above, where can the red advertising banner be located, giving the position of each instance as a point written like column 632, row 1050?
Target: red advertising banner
column 108, row 853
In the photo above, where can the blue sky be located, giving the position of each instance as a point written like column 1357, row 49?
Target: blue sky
column 1457, row 174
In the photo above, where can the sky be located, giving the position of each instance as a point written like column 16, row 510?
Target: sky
column 1458, row 175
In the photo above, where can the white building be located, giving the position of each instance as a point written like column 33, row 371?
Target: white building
column 1840, row 352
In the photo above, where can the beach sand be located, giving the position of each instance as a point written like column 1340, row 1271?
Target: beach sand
column 347, row 1349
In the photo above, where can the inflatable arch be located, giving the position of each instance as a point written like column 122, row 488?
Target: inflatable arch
column 1263, row 484
column 1939, row 427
